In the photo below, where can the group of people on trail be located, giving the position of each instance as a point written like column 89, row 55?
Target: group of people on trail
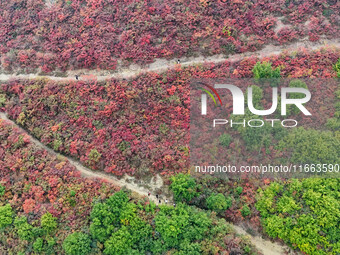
column 159, row 199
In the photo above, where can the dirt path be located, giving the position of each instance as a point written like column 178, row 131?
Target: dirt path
column 86, row 172
column 161, row 65
column 265, row 246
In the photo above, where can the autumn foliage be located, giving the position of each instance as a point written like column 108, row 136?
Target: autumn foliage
column 140, row 126
column 46, row 37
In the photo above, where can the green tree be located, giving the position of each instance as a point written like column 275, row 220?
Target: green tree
column 77, row 243
column 107, row 216
column 304, row 213
column 171, row 223
column 48, row 222
column 184, row 187
column 94, row 155
column 6, row 216
column 245, row 211
column 119, row 243
column 24, row 229
column 2, row 190
column 225, row 140
column 218, row 202
column 312, row 146
column 336, row 68
column 264, row 71
column 38, row 245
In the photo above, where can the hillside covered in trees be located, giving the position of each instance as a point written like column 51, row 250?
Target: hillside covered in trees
column 70, row 142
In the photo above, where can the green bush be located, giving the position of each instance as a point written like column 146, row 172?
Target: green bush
column 225, row 140
column 245, row 211
column 48, row 222
column 336, row 68
column 303, row 213
column 77, row 244
column 106, row 216
column 265, row 72
column 218, row 202
column 24, row 229
column 239, row 190
column 181, row 224
column 184, row 187
column 124, row 145
column 333, row 124
column 163, row 129
column 2, row 190
column 57, row 144
column 6, row 216
column 2, row 100
column 312, row 146
column 38, row 245
column 94, row 155
column 119, row 243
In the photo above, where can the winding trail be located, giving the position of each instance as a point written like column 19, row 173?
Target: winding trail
column 161, row 65
column 265, row 246
column 86, row 172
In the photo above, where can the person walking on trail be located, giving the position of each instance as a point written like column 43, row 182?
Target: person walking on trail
column 149, row 194
column 178, row 61
column 166, row 201
column 159, row 201
column 77, row 77
column 157, row 196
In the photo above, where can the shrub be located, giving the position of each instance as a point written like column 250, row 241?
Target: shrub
column 38, row 245
column 57, row 144
column 24, row 229
column 336, row 68
column 239, row 190
column 2, row 100
column 245, row 211
column 77, row 243
column 94, row 155
column 218, row 202
column 312, row 146
column 124, row 145
column 6, row 216
column 2, row 190
column 264, row 71
column 105, row 216
column 163, row 128
column 48, row 222
column 119, row 243
column 184, row 187
column 225, row 140
column 308, row 204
